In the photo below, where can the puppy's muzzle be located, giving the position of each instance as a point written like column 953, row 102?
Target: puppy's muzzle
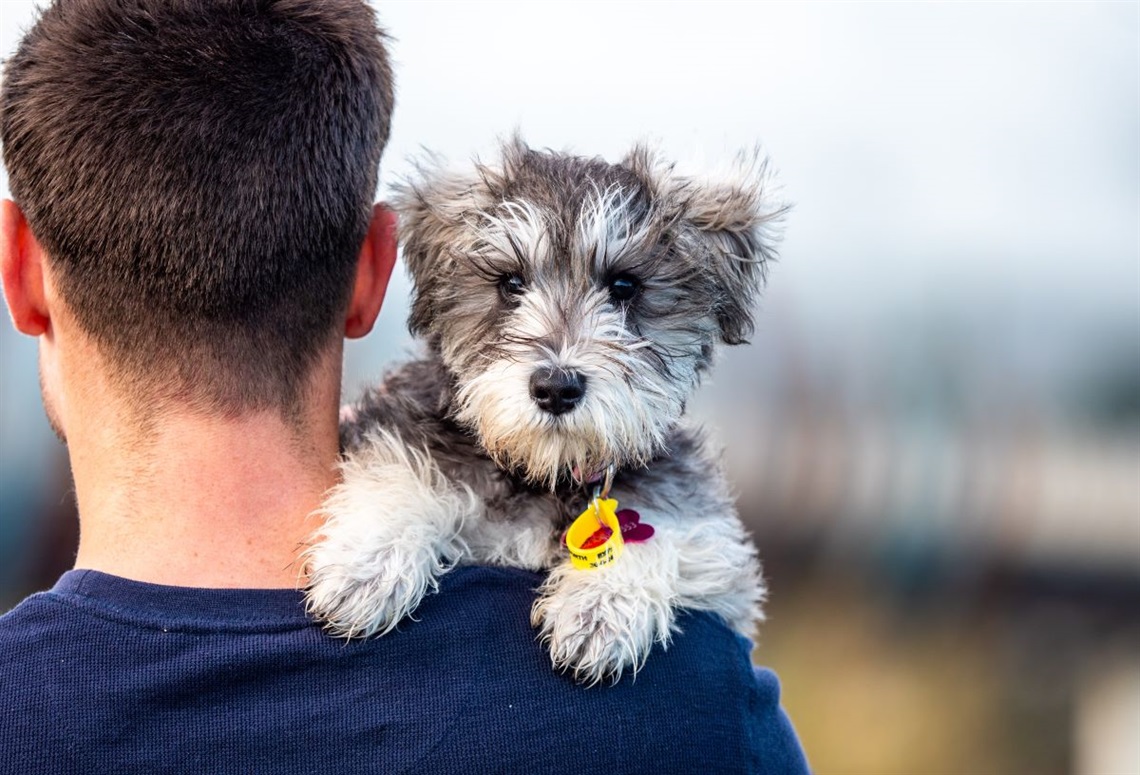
column 557, row 391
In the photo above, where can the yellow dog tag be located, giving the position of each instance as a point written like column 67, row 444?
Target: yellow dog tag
column 586, row 539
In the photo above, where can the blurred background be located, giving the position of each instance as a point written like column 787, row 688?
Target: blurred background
column 935, row 433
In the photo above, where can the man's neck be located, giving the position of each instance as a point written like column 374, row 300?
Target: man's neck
column 207, row 502
column 192, row 499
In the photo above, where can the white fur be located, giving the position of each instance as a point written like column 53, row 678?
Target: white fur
column 622, row 418
column 392, row 526
column 519, row 226
column 600, row 623
column 396, row 522
column 605, row 232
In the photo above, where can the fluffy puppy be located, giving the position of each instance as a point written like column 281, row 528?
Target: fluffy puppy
column 569, row 308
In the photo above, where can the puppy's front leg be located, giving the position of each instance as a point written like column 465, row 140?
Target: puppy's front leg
column 718, row 571
column 392, row 528
column 599, row 623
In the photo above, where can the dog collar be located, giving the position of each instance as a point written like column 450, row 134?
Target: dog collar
column 599, row 535
column 594, row 478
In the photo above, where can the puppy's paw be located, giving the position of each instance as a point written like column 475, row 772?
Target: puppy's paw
column 373, row 591
column 597, row 626
column 391, row 530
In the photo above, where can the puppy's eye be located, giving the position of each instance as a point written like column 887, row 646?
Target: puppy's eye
column 624, row 287
column 511, row 285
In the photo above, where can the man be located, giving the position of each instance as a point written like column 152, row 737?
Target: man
column 190, row 242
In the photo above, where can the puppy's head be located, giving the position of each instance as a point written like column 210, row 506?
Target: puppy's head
column 576, row 302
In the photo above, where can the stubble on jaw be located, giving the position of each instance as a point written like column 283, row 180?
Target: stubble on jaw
column 49, row 408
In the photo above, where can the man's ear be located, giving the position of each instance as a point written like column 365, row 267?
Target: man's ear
column 373, row 271
column 22, row 272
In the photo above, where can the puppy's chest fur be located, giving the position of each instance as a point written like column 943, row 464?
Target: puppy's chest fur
column 415, row 402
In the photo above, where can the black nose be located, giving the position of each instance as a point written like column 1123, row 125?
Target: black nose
column 557, row 391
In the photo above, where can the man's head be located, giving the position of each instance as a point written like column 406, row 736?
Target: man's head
column 199, row 175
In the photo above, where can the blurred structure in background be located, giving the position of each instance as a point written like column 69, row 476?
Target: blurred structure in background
column 955, row 567
column 935, row 434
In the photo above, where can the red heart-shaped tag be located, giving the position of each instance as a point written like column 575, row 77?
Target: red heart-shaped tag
column 633, row 531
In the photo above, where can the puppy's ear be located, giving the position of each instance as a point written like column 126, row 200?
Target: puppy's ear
column 513, row 151
column 437, row 206
column 741, row 222
column 730, row 219
column 433, row 204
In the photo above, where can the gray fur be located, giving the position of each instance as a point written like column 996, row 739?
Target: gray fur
column 458, row 428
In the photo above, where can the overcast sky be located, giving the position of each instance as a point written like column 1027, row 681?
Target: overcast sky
column 920, row 142
column 945, row 154
column 936, row 153
column 951, row 141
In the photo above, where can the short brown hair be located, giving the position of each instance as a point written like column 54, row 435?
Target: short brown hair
column 201, row 174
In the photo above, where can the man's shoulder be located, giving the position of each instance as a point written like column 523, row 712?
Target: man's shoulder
column 463, row 687
column 697, row 704
column 34, row 621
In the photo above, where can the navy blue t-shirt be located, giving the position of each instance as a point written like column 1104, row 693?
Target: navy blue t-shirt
column 106, row 675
